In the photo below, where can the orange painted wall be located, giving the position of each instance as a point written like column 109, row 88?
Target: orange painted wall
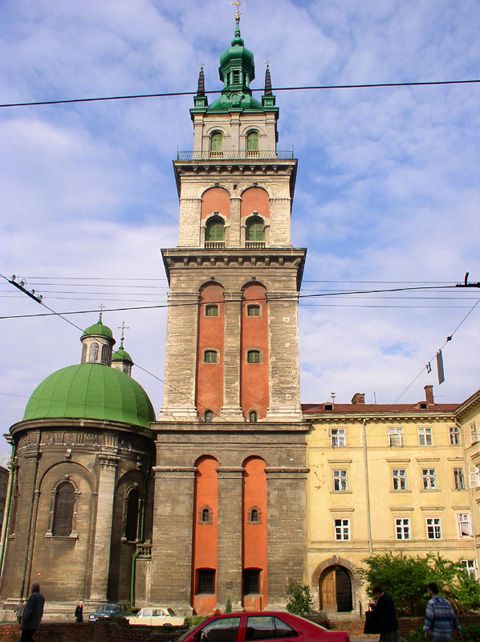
column 205, row 535
column 255, row 199
column 209, row 384
column 255, row 536
column 216, row 199
column 254, row 383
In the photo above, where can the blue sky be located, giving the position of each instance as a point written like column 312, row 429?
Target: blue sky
column 388, row 185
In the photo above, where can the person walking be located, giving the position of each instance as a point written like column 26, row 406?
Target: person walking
column 440, row 618
column 79, row 613
column 32, row 615
column 384, row 615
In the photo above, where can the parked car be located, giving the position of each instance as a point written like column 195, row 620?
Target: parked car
column 157, row 616
column 110, row 611
column 263, row 625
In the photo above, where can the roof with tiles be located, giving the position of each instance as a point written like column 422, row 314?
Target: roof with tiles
column 328, row 408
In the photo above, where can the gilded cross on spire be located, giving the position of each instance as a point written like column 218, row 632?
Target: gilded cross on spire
column 123, row 327
column 237, row 4
column 101, row 308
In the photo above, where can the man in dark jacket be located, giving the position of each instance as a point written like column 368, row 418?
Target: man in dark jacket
column 384, row 616
column 32, row 614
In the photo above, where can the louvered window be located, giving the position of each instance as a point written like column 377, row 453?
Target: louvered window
column 63, row 511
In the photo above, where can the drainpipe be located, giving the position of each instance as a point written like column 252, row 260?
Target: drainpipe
column 141, row 534
column 8, row 503
column 470, row 491
column 367, row 485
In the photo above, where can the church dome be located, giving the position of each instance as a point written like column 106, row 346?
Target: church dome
column 91, row 391
column 98, row 330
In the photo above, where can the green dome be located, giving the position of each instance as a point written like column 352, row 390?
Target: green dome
column 91, row 391
column 98, row 329
column 122, row 355
column 238, row 52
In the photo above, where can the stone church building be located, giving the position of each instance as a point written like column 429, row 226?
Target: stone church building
column 234, row 489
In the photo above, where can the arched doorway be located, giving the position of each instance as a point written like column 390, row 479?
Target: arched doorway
column 336, row 589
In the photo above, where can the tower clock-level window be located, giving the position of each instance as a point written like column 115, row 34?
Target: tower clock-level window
column 252, row 143
column 210, row 356
column 216, row 143
column 253, row 310
column 205, row 581
column 63, row 509
column 211, row 310
column 254, row 356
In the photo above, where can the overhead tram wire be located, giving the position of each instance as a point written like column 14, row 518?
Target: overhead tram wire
column 167, row 94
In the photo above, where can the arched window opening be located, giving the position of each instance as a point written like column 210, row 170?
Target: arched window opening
column 254, row 516
column 105, row 355
column 205, row 515
column 254, row 356
column 252, row 143
column 93, row 354
column 84, row 352
column 211, row 310
column 131, row 516
column 253, row 310
column 210, row 356
column 215, row 232
column 63, row 509
column 253, row 416
column 208, row 416
column 216, row 143
column 255, row 232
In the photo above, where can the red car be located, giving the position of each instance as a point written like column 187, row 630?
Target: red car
column 262, row 625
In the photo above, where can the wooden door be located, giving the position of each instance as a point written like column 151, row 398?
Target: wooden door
column 328, row 597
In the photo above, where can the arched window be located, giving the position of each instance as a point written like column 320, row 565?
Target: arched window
column 252, row 142
column 63, row 509
column 105, row 355
column 215, row 230
column 210, row 356
column 253, row 416
column 93, row 354
column 211, row 310
column 84, row 352
column 131, row 514
column 255, row 516
column 208, row 416
column 216, row 142
column 255, row 229
column 254, row 356
column 206, row 515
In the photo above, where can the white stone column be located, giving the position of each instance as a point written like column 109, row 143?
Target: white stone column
column 103, row 526
column 234, row 240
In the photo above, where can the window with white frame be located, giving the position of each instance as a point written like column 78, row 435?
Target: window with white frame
column 429, row 478
column 473, row 432
column 458, row 479
column 464, row 525
column 338, row 437
column 470, row 567
column 434, row 528
column 402, row 528
column 454, row 435
column 399, row 479
column 395, row 437
column 340, row 480
column 342, row 530
column 424, row 436
column 475, row 476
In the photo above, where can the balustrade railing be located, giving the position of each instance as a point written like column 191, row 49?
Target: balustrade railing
column 255, row 245
column 214, row 245
column 235, row 155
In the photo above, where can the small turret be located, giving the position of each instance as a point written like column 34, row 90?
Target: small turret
column 200, row 100
column 122, row 361
column 268, row 99
column 97, row 343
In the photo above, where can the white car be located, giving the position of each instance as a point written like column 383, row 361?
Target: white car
column 156, row 616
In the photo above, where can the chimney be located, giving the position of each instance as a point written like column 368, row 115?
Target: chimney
column 358, row 397
column 429, row 395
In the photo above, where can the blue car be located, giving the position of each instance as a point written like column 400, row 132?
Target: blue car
column 109, row 611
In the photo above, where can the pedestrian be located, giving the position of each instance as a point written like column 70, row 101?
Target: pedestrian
column 384, row 616
column 79, row 613
column 19, row 609
column 32, row 615
column 440, row 618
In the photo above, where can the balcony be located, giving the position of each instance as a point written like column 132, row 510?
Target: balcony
column 255, row 245
column 214, row 245
column 235, row 155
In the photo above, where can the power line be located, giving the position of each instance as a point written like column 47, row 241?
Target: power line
column 168, row 94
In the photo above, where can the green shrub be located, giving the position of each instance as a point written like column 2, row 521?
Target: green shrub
column 300, row 599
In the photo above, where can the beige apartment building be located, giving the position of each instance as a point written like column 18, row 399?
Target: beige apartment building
column 398, row 477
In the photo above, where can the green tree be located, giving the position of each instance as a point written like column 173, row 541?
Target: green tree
column 299, row 599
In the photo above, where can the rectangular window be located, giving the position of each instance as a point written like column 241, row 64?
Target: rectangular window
column 473, row 432
column 254, row 356
column 402, row 528
column 210, row 356
column 211, row 310
column 470, row 567
column 429, row 478
column 251, row 581
column 399, row 479
column 459, row 479
column 424, row 436
column 338, row 438
column 454, row 434
column 475, row 476
column 434, row 529
column 340, row 480
column 206, row 581
column 395, row 437
column 464, row 525
column 342, row 530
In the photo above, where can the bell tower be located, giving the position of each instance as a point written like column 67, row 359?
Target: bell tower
column 232, row 346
